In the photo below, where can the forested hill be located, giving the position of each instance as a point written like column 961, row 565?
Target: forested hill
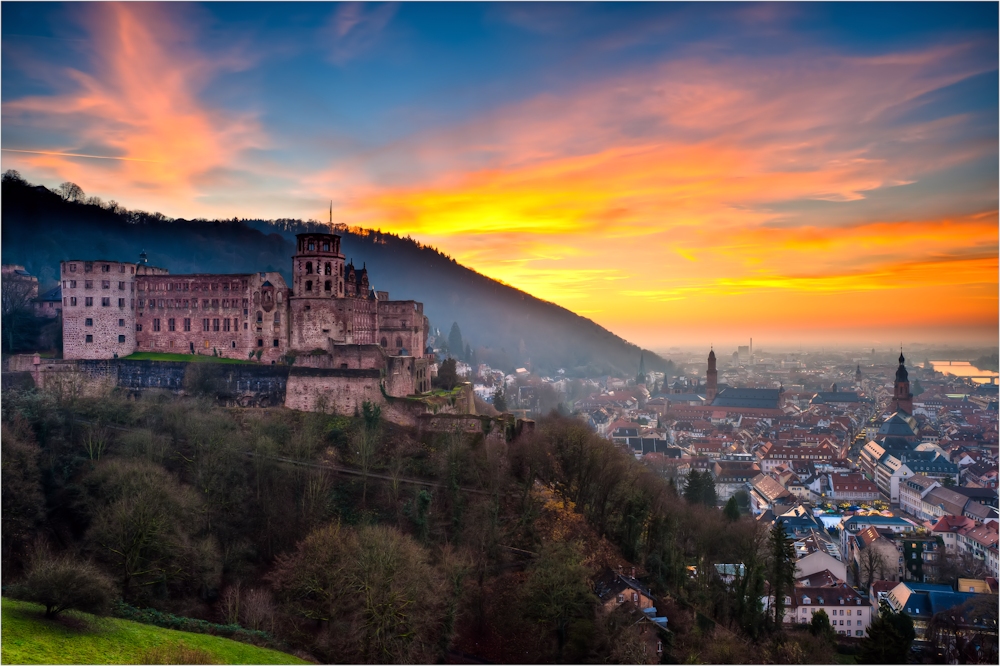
column 507, row 327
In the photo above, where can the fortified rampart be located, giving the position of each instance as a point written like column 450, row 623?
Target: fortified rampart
column 333, row 390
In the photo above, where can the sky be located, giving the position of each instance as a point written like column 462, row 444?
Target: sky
column 680, row 173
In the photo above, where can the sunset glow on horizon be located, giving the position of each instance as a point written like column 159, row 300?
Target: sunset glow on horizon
column 791, row 172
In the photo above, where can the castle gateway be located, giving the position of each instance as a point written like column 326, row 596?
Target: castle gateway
column 329, row 318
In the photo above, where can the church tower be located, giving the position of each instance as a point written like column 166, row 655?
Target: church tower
column 713, row 378
column 902, row 399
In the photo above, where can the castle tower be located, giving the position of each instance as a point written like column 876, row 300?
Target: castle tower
column 902, row 399
column 98, row 309
column 317, row 267
column 317, row 307
column 713, row 378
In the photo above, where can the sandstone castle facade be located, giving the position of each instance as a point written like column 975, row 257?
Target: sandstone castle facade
column 328, row 318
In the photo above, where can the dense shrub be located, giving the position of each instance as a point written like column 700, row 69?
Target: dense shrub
column 61, row 584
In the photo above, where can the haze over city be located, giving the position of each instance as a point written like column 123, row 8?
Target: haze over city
column 679, row 173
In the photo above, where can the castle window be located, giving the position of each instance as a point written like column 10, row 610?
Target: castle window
column 328, row 286
column 225, row 325
column 142, row 303
column 171, row 324
column 88, row 266
column 204, row 324
column 260, row 317
column 90, row 338
column 309, row 285
column 225, row 302
column 187, row 324
column 236, row 324
column 105, row 302
column 121, row 286
column 121, row 322
column 276, row 342
column 385, row 343
column 260, row 343
column 72, row 284
column 88, row 322
column 399, row 342
column 204, row 303
column 312, row 246
column 309, row 268
column 215, row 302
column 88, row 284
column 329, row 270
column 138, row 327
column 72, row 300
column 215, row 325
column 234, row 344
column 156, row 324
column 326, row 248
column 186, row 285
column 121, row 338
column 106, row 268
column 121, row 302
column 72, row 268
column 277, row 317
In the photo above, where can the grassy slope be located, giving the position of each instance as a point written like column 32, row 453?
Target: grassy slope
column 28, row 638
column 187, row 358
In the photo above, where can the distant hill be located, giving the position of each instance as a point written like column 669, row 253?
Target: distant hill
column 507, row 327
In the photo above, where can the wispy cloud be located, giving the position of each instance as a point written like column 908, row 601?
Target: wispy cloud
column 139, row 103
column 355, row 27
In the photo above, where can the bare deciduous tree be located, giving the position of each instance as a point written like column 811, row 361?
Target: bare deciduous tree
column 16, row 295
column 71, row 192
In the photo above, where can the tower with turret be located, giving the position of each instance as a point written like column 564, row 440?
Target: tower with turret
column 902, row 399
column 712, row 384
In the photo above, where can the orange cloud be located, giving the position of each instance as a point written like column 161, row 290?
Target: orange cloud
column 689, row 218
column 140, row 107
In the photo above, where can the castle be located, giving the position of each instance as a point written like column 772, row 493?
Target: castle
column 329, row 318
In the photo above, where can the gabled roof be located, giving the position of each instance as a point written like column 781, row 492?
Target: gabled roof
column 749, row 398
column 898, row 426
column 610, row 584
column 54, row 294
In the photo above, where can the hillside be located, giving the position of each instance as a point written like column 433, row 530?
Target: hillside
column 507, row 327
column 84, row 639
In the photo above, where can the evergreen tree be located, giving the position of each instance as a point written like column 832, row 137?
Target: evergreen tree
column 455, row 345
column 732, row 510
column 700, row 488
column 782, row 569
column 693, row 490
column 468, row 353
column 889, row 638
column 499, row 400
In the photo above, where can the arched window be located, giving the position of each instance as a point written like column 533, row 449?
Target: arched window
column 328, row 286
column 309, row 267
column 399, row 341
column 260, row 316
column 385, row 343
column 329, row 269
column 312, row 246
column 326, row 247
column 309, row 285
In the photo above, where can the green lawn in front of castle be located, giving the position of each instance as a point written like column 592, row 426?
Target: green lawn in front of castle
column 80, row 638
column 182, row 358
